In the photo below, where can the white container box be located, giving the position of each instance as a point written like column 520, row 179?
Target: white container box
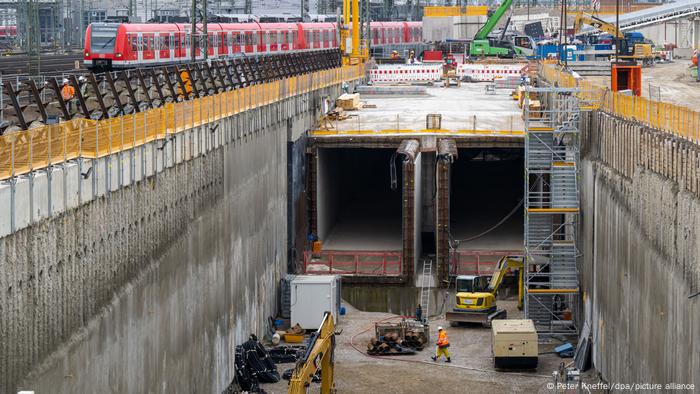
column 311, row 296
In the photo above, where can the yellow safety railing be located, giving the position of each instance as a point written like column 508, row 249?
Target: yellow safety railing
column 29, row 150
column 441, row 11
column 671, row 118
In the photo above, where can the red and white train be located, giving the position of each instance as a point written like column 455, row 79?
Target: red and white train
column 126, row 45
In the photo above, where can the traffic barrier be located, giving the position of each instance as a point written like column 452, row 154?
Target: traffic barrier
column 423, row 73
column 354, row 263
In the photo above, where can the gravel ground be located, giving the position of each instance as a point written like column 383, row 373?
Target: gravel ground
column 471, row 370
column 671, row 80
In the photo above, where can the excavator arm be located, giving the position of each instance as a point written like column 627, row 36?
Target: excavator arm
column 491, row 23
column 319, row 354
column 583, row 18
column 515, row 262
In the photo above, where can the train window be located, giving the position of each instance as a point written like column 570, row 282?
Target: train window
column 248, row 39
column 307, row 37
column 103, row 38
column 133, row 41
column 151, row 45
column 236, row 38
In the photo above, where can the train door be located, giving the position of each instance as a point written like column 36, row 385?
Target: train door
column 236, row 40
column 132, row 54
column 307, row 40
column 180, row 45
column 258, row 41
column 165, row 46
column 223, row 44
column 147, row 47
column 248, row 46
column 139, row 49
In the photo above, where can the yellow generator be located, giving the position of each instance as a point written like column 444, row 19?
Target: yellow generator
column 514, row 344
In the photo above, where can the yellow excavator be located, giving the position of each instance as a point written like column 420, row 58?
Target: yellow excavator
column 475, row 295
column 630, row 49
column 319, row 355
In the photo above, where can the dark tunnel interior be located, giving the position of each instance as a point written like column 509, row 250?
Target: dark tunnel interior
column 357, row 207
column 486, row 186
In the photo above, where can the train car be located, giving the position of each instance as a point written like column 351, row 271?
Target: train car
column 316, row 36
column 127, row 45
column 8, row 32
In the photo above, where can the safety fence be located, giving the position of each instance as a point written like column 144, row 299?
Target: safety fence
column 477, row 262
column 26, row 151
column 678, row 120
column 366, row 122
column 355, row 263
column 420, row 73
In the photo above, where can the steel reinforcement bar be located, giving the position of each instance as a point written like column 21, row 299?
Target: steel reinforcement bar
column 26, row 151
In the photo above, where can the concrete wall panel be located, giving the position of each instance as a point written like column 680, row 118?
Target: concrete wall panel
column 640, row 253
column 150, row 289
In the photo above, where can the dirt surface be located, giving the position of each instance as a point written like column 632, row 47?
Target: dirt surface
column 669, row 81
column 471, row 370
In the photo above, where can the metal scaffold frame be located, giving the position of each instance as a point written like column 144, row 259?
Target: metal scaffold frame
column 552, row 209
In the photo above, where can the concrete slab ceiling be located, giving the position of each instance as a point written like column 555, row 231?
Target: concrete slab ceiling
column 465, row 110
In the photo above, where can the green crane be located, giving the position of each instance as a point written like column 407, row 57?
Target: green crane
column 482, row 46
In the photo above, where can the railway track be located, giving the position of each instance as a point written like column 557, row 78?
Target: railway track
column 32, row 103
column 17, row 64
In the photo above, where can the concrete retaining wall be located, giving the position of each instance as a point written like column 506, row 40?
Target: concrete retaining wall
column 641, row 215
column 148, row 285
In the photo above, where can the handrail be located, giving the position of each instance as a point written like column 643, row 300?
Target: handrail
column 677, row 120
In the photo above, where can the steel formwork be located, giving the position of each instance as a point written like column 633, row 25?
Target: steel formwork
column 551, row 209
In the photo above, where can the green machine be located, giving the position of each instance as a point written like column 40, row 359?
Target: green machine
column 483, row 46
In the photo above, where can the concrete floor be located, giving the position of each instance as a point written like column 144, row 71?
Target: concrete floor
column 370, row 227
column 471, row 370
column 458, row 106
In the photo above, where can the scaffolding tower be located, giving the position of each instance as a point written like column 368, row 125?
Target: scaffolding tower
column 552, row 147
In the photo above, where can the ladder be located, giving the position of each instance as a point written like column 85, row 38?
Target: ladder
column 425, row 287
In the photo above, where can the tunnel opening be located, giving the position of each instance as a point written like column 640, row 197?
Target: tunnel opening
column 486, row 211
column 359, row 210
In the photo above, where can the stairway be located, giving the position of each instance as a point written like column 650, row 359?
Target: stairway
column 551, row 213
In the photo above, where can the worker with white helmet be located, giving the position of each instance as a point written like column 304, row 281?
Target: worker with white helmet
column 67, row 93
column 442, row 345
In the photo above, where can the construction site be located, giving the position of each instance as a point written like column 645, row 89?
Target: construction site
column 462, row 199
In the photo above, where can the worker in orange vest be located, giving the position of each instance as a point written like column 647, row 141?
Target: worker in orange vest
column 67, row 93
column 442, row 345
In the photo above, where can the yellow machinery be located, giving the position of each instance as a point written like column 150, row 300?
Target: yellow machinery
column 350, row 34
column 319, row 354
column 475, row 298
column 639, row 51
column 583, row 18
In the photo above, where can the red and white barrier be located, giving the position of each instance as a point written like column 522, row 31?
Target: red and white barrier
column 422, row 73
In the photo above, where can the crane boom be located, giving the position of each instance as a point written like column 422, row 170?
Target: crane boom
column 583, row 18
column 487, row 28
column 514, row 262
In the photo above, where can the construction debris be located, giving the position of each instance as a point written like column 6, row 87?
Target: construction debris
column 254, row 365
column 286, row 354
column 404, row 337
